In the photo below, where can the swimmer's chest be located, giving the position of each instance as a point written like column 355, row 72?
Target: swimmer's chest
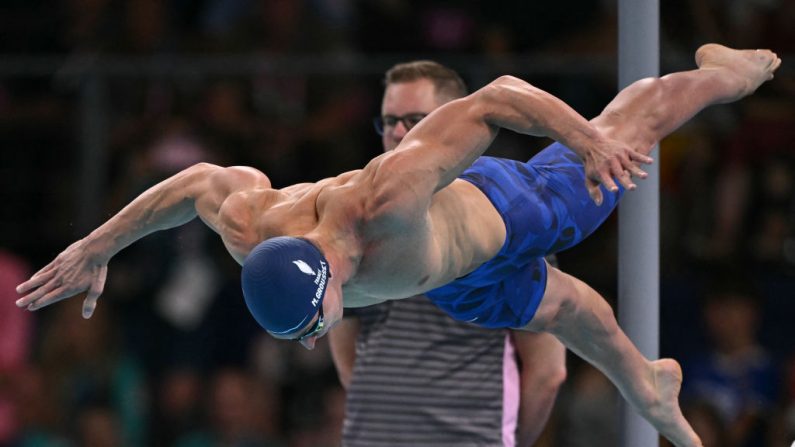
column 395, row 264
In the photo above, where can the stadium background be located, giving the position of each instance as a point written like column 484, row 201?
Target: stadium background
column 100, row 99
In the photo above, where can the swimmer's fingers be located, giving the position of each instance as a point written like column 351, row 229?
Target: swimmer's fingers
column 41, row 277
column 594, row 191
column 58, row 294
column 626, row 180
column 38, row 293
column 637, row 172
column 632, row 161
column 621, row 174
column 596, row 174
column 97, row 285
column 637, row 157
column 50, row 293
column 605, row 175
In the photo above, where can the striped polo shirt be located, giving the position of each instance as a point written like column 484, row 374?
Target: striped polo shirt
column 422, row 379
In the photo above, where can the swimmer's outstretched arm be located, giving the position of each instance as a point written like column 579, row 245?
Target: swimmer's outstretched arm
column 450, row 139
column 82, row 267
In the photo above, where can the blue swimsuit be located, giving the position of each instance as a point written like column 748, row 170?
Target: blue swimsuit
column 546, row 208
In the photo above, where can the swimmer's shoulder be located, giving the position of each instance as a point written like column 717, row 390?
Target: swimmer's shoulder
column 236, row 178
column 302, row 188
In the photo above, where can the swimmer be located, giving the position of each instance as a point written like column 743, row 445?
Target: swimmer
column 517, row 372
column 434, row 217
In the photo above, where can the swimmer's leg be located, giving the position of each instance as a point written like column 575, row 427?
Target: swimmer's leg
column 650, row 109
column 584, row 322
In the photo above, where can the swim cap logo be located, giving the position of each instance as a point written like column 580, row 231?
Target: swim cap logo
column 320, row 278
column 304, row 267
column 320, row 281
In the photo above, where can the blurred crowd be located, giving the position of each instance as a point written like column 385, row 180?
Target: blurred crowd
column 172, row 358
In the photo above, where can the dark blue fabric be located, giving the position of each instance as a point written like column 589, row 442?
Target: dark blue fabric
column 284, row 280
column 546, row 208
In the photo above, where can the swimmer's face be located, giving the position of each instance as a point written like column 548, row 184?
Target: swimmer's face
column 322, row 322
column 332, row 314
column 407, row 100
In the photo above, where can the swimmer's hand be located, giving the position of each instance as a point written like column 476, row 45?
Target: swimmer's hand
column 74, row 271
column 607, row 160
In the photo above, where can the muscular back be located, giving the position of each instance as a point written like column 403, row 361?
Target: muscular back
column 405, row 224
column 393, row 253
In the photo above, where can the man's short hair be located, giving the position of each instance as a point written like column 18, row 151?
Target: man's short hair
column 448, row 84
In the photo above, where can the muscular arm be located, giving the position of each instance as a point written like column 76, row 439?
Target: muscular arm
column 82, row 267
column 450, row 139
column 199, row 190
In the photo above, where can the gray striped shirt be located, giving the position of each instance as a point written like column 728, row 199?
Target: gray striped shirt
column 420, row 378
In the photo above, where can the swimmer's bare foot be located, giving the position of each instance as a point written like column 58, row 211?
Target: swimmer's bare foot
column 665, row 414
column 745, row 70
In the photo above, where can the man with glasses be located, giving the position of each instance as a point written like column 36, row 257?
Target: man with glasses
column 449, row 372
column 388, row 124
column 434, row 216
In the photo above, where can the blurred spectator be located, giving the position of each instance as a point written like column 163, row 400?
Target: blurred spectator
column 553, row 24
column 219, row 21
column 739, row 23
column 686, row 196
column 786, row 425
column 386, row 19
column 755, row 188
column 311, row 375
column 779, row 32
column 40, row 412
column 448, row 26
column 147, row 155
column 772, row 241
column 145, row 27
column 242, row 413
column 587, row 412
column 326, row 431
column 227, row 122
column 88, row 24
column 729, row 196
column 179, row 405
column 737, row 375
column 99, row 427
column 707, row 422
column 15, row 342
column 84, row 362
column 280, row 26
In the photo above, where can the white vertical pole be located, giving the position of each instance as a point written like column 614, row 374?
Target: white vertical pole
column 639, row 215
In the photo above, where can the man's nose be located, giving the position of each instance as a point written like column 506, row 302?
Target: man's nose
column 309, row 342
column 399, row 131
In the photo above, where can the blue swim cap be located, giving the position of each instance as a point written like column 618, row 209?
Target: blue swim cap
column 284, row 281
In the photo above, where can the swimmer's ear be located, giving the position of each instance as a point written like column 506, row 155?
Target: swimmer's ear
column 594, row 191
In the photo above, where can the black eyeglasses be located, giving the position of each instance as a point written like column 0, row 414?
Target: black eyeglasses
column 316, row 328
column 382, row 123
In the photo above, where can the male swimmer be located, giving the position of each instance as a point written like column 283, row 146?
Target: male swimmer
column 407, row 224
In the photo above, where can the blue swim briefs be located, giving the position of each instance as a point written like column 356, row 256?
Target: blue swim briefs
column 546, row 208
